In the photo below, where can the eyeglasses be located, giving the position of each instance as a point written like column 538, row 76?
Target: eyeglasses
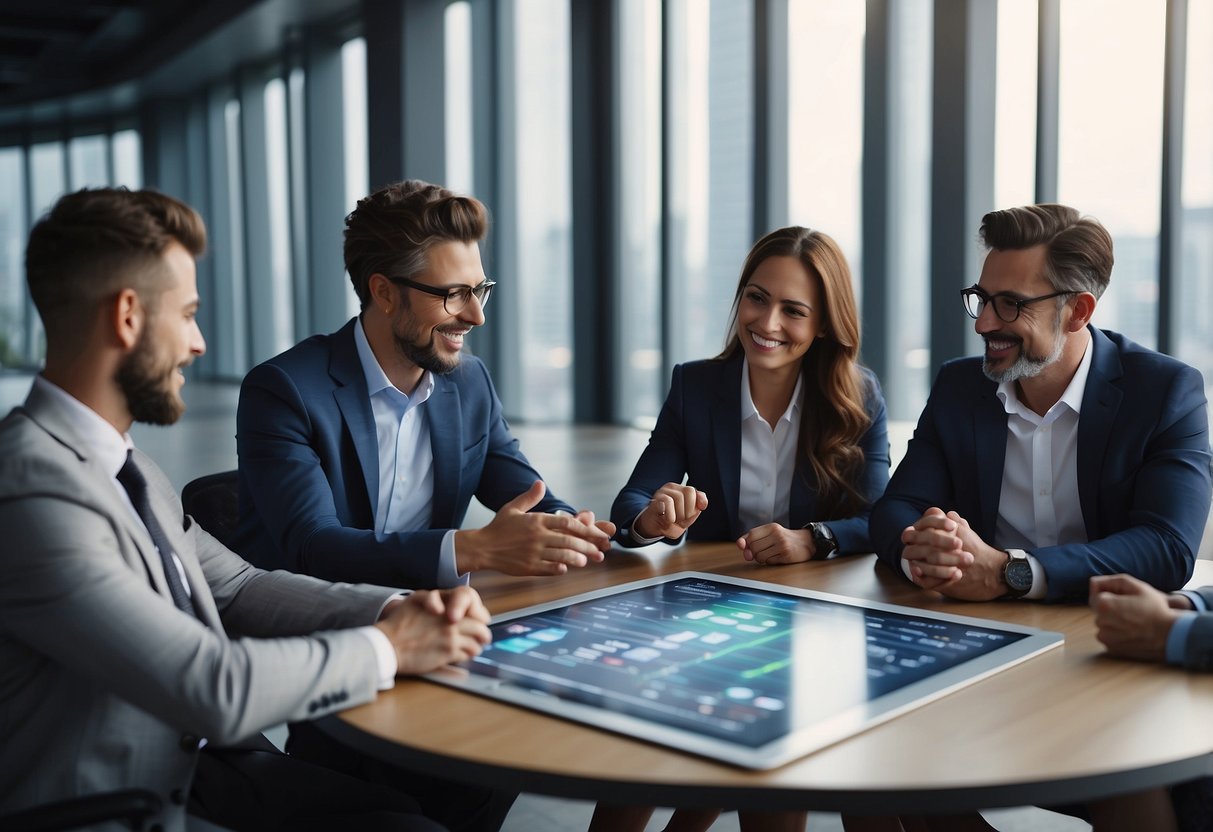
column 1006, row 307
column 454, row 298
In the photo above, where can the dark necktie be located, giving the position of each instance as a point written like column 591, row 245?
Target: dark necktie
column 133, row 481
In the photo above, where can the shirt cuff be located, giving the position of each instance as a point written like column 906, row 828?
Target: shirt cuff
column 448, row 572
column 1198, row 601
column 1177, row 639
column 905, row 569
column 643, row 541
column 385, row 656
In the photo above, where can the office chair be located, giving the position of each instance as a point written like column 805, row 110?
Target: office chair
column 134, row 806
column 213, row 501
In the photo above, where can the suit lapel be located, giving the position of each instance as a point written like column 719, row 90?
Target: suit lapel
column 725, row 424
column 1100, row 403
column 101, row 489
column 354, row 402
column 444, row 415
column 990, row 446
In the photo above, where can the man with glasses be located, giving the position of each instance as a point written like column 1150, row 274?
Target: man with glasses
column 1063, row 452
column 361, row 450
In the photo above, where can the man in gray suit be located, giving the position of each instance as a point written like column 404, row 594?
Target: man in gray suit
column 135, row 650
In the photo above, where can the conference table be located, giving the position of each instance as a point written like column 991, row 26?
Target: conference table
column 1068, row 725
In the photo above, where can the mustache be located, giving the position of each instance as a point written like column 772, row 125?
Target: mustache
column 994, row 336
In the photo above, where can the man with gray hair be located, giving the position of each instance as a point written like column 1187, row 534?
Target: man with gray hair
column 1065, row 451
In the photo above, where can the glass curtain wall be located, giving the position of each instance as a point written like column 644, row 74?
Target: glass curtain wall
column 1015, row 107
column 13, row 304
column 641, row 385
column 280, row 314
column 825, row 120
column 457, row 94
column 127, row 160
column 910, row 35
column 1194, row 340
column 710, row 150
column 354, row 119
column 1110, row 145
column 543, row 211
column 88, row 162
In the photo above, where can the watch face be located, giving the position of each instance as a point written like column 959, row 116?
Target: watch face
column 1018, row 575
column 823, row 539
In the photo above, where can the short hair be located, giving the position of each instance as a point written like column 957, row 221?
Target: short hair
column 1078, row 249
column 96, row 242
column 391, row 231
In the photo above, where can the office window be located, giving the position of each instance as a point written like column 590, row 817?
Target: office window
column 353, row 111
column 457, row 31
column 12, row 251
column 825, row 120
column 276, row 157
column 1110, row 144
column 298, row 195
column 711, row 153
column 911, row 27
column 641, row 383
column 544, row 210
column 127, row 163
column 1195, row 336
column 87, row 162
column 1015, row 107
column 48, row 174
column 233, row 209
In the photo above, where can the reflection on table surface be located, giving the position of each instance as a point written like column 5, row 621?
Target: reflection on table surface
column 1070, row 724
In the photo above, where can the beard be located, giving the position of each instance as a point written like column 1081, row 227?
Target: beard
column 1027, row 365
column 425, row 356
column 148, row 384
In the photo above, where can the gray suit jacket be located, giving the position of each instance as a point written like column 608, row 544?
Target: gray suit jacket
column 103, row 682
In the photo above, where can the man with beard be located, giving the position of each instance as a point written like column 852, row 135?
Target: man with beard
column 1064, row 452
column 361, row 450
column 128, row 633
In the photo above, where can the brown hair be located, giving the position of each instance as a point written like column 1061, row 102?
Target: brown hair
column 95, row 242
column 1078, row 249
column 392, row 230
column 833, row 418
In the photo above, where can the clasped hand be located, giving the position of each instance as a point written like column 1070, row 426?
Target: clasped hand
column 431, row 628
column 945, row 554
column 520, row 542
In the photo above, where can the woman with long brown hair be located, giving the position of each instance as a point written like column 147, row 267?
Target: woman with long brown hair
column 782, row 437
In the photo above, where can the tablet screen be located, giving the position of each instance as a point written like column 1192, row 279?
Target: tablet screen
column 747, row 672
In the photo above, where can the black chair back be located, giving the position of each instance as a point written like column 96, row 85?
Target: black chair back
column 213, row 501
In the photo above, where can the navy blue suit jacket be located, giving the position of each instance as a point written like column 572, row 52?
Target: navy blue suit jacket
column 1143, row 467
column 309, row 465
column 698, row 433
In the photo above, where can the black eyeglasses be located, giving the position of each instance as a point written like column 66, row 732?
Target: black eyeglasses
column 1006, row 307
column 454, row 298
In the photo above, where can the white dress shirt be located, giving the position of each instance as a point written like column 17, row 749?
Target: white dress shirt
column 110, row 449
column 768, row 461
column 768, row 458
column 1039, row 503
column 406, row 458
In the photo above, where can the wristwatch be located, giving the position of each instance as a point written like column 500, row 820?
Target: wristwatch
column 824, row 543
column 1017, row 574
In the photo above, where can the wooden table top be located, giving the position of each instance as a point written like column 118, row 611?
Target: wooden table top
column 1068, row 725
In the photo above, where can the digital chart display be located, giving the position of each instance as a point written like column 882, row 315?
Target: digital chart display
column 751, row 673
